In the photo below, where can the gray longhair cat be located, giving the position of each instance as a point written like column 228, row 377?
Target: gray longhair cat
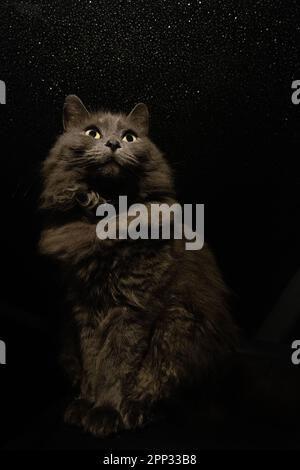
column 145, row 319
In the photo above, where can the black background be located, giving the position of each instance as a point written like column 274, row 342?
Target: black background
column 217, row 78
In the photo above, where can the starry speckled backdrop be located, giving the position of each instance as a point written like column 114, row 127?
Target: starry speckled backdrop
column 215, row 73
column 217, row 77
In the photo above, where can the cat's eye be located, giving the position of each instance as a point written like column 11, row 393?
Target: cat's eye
column 129, row 137
column 93, row 132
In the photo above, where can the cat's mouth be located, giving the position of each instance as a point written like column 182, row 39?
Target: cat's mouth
column 107, row 167
column 114, row 164
column 107, row 160
column 121, row 159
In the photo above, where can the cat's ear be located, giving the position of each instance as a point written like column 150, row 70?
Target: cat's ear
column 74, row 111
column 140, row 117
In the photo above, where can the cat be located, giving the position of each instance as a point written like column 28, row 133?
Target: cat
column 145, row 318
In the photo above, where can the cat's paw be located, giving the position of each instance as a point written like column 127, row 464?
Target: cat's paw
column 102, row 421
column 135, row 414
column 89, row 199
column 76, row 412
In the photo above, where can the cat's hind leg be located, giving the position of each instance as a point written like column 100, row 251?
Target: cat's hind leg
column 185, row 348
column 123, row 341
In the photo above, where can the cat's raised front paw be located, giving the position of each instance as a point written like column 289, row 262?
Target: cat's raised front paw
column 102, row 421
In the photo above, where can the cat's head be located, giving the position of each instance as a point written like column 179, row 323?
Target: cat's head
column 103, row 152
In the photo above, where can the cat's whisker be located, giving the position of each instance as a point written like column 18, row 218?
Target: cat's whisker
column 129, row 158
column 129, row 155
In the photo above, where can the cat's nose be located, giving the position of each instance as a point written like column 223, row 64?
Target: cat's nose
column 113, row 144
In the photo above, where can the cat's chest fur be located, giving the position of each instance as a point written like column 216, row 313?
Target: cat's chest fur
column 130, row 275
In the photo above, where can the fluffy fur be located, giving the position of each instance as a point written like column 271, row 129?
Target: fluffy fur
column 145, row 318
